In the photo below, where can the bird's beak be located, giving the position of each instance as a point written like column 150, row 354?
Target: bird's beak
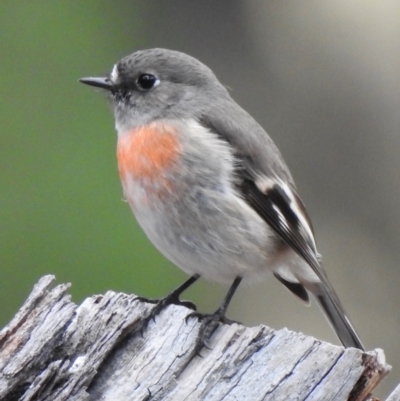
column 99, row 82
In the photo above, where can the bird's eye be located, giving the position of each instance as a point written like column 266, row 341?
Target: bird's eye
column 147, row 81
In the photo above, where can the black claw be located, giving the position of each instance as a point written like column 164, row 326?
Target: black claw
column 194, row 315
column 188, row 304
column 161, row 304
column 197, row 315
column 208, row 325
column 146, row 300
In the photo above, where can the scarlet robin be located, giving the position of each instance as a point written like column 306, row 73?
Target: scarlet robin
column 207, row 184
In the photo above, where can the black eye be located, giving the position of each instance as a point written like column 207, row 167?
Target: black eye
column 147, row 81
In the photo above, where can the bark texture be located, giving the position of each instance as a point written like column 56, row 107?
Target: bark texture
column 55, row 350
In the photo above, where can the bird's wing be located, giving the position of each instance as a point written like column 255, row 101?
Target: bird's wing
column 265, row 182
column 283, row 210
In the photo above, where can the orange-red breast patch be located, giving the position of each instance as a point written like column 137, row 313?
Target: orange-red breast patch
column 147, row 152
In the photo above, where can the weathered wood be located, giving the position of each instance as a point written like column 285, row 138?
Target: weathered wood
column 56, row 350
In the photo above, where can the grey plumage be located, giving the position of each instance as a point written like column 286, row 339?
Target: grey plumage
column 234, row 211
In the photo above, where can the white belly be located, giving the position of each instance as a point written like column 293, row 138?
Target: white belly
column 214, row 234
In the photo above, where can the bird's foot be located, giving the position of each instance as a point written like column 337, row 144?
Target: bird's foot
column 161, row 304
column 209, row 323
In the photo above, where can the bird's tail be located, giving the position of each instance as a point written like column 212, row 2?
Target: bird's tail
column 330, row 304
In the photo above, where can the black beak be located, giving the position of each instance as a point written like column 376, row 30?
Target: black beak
column 103, row 83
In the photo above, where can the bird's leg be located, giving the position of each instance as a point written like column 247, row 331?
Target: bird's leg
column 171, row 298
column 209, row 322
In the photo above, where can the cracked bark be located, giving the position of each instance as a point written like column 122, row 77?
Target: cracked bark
column 56, row 350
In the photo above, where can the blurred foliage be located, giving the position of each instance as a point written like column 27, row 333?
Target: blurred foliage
column 61, row 208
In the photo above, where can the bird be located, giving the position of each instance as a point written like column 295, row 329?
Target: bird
column 209, row 187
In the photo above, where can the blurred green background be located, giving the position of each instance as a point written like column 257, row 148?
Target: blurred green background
column 322, row 78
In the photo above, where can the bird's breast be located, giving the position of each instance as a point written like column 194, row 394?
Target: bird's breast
column 147, row 156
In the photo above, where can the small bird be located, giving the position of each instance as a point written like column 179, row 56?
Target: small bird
column 208, row 186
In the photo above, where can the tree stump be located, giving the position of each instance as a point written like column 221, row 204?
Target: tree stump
column 55, row 350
